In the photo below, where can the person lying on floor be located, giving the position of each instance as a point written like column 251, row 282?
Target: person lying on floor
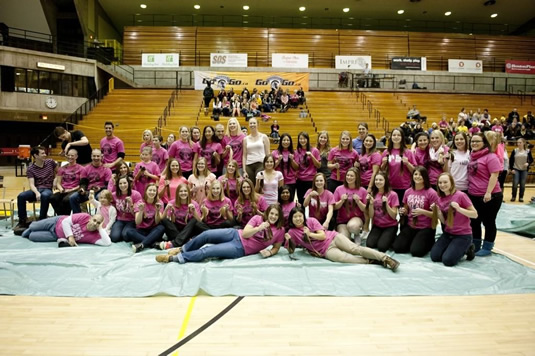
column 331, row 245
column 259, row 233
column 69, row 231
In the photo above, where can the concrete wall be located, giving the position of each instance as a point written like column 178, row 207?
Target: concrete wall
column 36, row 102
column 24, row 14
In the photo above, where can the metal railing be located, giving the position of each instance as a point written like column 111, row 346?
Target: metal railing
column 162, row 120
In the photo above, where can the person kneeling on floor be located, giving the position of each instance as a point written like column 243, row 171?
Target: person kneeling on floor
column 69, row 231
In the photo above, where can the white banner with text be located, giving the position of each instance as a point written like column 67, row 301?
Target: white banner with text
column 228, row 60
column 160, row 60
column 465, row 66
column 353, row 62
column 289, row 60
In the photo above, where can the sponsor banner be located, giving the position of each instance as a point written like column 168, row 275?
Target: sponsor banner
column 409, row 63
column 353, row 62
column 465, row 66
column 289, row 60
column 258, row 80
column 520, row 67
column 228, row 60
column 159, row 60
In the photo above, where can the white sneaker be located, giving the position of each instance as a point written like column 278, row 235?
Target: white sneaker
column 364, row 235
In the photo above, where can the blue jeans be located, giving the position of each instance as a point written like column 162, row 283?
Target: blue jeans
column 147, row 237
column 76, row 199
column 29, row 196
column 449, row 249
column 519, row 177
column 226, row 244
column 42, row 230
column 119, row 230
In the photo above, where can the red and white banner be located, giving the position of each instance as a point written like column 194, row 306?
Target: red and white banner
column 465, row 66
column 520, row 67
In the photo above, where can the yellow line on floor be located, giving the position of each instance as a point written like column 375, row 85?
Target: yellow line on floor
column 185, row 322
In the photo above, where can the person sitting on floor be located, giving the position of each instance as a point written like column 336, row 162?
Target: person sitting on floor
column 69, row 231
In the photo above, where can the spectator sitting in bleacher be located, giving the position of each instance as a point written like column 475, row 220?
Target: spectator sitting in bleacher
column 225, row 107
column 285, row 102
column 474, row 129
column 526, row 133
column 413, row 114
column 485, row 116
column 294, row 100
column 512, row 116
column 529, row 120
column 302, row 98
column 222, row 93
column 433, row 127
column 462, row 116
column 217, row 108
column 513, row 131
column 267, row 103
column 497, row 126
column 235, row 105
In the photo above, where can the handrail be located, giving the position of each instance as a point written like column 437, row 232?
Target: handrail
column 162, row 120
column 79, row 113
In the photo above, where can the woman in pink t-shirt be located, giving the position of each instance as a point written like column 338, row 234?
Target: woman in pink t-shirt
column 340, row 159
column 171, row 179
column 121, row 170
column 286, row 203
column 249, row 203
column 147, row 140
column 233, row 140
column 382, row 208
column 285, row 161
column 259, row 233
column 182, row 150
column 369, row 161
column 399, row 162
column 421, row 148
column 484, row 192
column 350, row 203
column 217, row 209
column 199, row 180
column 320, row 201
column 454, row 211
column 308, row 160
column 125, row 198
column 418, row 235
column 209, row 149
column 149, row 213
column 146, row 171
column 438, row 155
column 180, row 215
column 311, row 235
column 230, row 180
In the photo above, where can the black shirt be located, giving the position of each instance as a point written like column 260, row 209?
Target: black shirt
column 84, row 152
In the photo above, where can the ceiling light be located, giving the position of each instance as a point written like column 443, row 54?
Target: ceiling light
column 196, row 7
column 400, row 12
column 143, row 6
column 302, row 8
column 246, row 7
column 493, row 15
column 447, row 13
column 345, row 9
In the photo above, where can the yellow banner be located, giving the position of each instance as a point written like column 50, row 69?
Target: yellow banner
column 251, row 80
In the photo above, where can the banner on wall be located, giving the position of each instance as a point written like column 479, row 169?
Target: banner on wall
column 228, row 60
column 258, row 80
column 289, row 60
column 409, row 63
column 465, row 66
column 353, row 62
column 520, row 67
column 159, row 60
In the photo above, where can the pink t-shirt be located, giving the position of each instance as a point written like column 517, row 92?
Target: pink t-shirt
column 419, row 199
column 354, row 211
column 143, row 180
column 380, row 218
column 70, row 175
column 271, row 186
column 286, row 208
column 326, row 198
column 98, row 177
column 316, row 247
column 256, row 243
column 434, row 168
column 207, row 152
column 199, row 186
column 110, row 148
column 125, row 209
column 285, row 167
column 367, row 162
column 307, row 170
column 149, row 216
column 173, row 184
column 247, row 209
column 214, row 217
column 236, row 143
column 399, row 180
column 143, row 145
column 160, row 157
column 461, row 223
column 183, row 153
column 479, row 171
column 229, row 187
column 182, row 214
column 421, row 156
column 79, row 229
column 346, row 159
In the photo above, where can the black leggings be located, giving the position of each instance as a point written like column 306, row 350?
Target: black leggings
column 486, row 214
column 302, row 187
column 381, row 238
column 192, row 229
column 416, row 241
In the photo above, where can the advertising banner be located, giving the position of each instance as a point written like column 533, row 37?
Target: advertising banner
column 409, row 63
column 519, row 67
column 353, row 62
column 258, row 80
column 228, row 60
column 465, row 66
column 159, row 60
column 289, row 60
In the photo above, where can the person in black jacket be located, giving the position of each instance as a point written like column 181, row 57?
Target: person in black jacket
column 208, row 95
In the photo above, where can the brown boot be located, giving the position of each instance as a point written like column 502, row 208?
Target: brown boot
column 391, row 263
column 163, row 258
column 174, row 251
